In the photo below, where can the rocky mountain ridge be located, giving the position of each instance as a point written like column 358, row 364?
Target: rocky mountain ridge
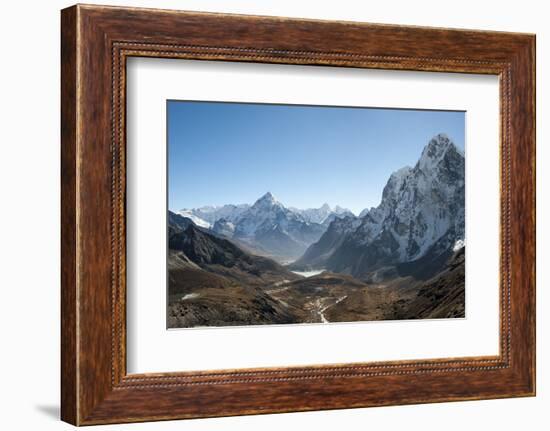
column 421, row 213
column 267, row 226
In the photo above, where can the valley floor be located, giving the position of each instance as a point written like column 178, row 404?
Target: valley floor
column 218, row 296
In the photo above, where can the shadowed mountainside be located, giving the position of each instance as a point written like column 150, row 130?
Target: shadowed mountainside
column 212, row 282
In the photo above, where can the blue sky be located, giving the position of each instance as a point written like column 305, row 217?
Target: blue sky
column 221, row 153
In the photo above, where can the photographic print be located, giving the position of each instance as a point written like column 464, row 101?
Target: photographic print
column 298, row 214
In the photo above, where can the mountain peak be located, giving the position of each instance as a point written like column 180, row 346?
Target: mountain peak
column 267, row 201
column 439, row 142
column 268, row 197
column 435, row 150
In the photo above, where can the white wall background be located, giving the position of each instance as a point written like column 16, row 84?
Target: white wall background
column 29, row 215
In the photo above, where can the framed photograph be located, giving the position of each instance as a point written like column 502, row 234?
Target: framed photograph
column 266, row 215
column 261, row 261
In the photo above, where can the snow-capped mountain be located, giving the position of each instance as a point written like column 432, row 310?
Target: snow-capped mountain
column 265, row 210
column 194, row 218
column 337, row 213
column 224, row 227
column 207, row 216
column 322, row 215
column 364, row 212
column 421, row 214
column 275, row 228
column 267, row 225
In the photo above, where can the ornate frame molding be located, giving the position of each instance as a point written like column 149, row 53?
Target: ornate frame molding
column 96, row 41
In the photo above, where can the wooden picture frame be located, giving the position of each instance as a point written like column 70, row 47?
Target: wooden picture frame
column 95, row 43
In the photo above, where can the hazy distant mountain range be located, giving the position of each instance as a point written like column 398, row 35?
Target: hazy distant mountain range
column 207, row 216
column 403, row 259
column 267, row 227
